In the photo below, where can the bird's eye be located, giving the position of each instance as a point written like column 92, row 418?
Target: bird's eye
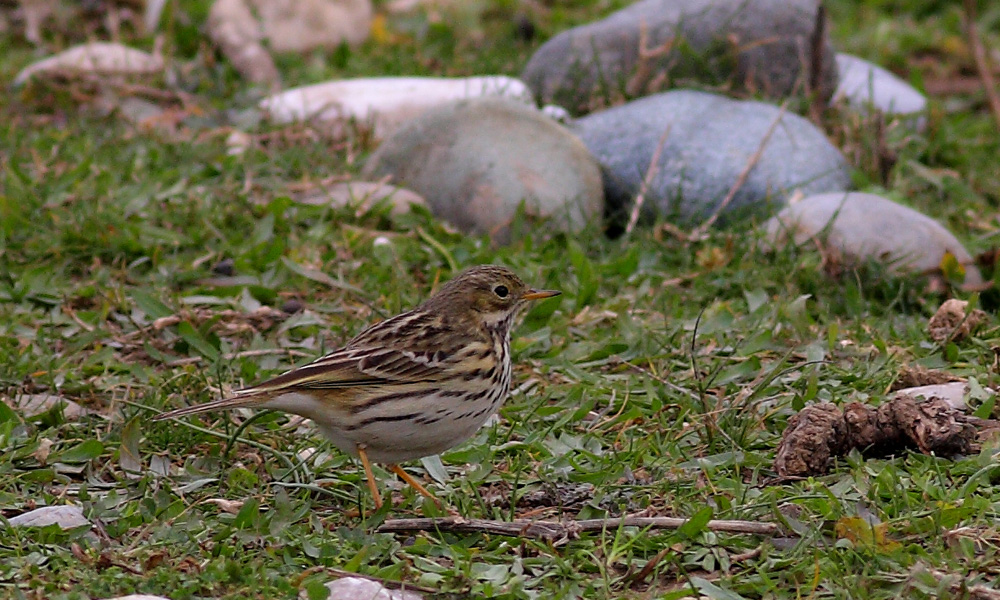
column 501, row 290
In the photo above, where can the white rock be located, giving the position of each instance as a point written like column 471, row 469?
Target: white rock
column 953, row 393
column 34, row 13
column 238, row 142
column 557, row 113
column 30, row 405
column 67, row 516
column 363, row 195
column 303, row 25
column 356, row 588
column 234, row 29
column 385, row 102
column 151, row 16
column 98, row 58
column 863, row 85
column 239, row 28
column 861, row 226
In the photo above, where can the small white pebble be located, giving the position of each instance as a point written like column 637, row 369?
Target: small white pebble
column 557, row 113
column 381, row 241
column 237, row 143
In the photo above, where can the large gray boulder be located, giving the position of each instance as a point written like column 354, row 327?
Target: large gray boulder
column 777, row 47
column 477, row 161
column 707, row 142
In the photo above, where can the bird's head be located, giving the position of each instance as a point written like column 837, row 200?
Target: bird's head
column 490, row 294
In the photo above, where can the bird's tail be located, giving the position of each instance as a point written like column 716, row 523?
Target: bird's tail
column 236, row 401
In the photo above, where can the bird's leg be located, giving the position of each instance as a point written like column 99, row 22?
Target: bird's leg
column 369, row 476
column 413, row 483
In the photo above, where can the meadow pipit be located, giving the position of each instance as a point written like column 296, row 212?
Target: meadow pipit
column 411, row 386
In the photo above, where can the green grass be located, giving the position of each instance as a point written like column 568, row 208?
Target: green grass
column 660, row 382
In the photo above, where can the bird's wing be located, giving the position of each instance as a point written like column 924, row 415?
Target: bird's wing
column 371, row 360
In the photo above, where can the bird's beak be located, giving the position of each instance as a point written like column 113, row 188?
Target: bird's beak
column 539, row 294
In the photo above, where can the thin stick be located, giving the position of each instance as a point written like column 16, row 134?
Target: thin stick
column 751, row 163
column 648, row 568
column 640, row 198
column 957, row 583
column 560, row 530
column 749, row 555
column 191, row 360
column 982, row 61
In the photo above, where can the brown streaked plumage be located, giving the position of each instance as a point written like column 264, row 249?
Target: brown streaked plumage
column 411, row 386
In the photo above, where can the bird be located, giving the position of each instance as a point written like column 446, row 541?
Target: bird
column 411, row 386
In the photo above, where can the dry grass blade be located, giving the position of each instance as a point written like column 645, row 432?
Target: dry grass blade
column 699, row 231
column 982, row 60
column 640, row 198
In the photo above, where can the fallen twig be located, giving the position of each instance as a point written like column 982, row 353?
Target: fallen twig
column 748, row 555
column 192, row 360
column 982, row 61
column 640, row 198
column 699, row 231
column 814, row 75
column 958, row 585
column 562, row 530
column 648, row 568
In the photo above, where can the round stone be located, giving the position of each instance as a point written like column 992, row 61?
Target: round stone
column 478, row 162
column 861, row 226
column 702, row 144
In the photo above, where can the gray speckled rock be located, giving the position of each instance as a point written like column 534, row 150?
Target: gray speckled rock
column 710, row 141
column 653, row 44
column 476, row 161
column 67, row 516
column 869, row 227
column 863, row 85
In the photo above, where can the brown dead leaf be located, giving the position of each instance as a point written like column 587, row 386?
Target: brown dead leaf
column 863, row 534
column 42, row 453
column 154, row 560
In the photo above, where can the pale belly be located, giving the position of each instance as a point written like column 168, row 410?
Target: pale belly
column 428, row 425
